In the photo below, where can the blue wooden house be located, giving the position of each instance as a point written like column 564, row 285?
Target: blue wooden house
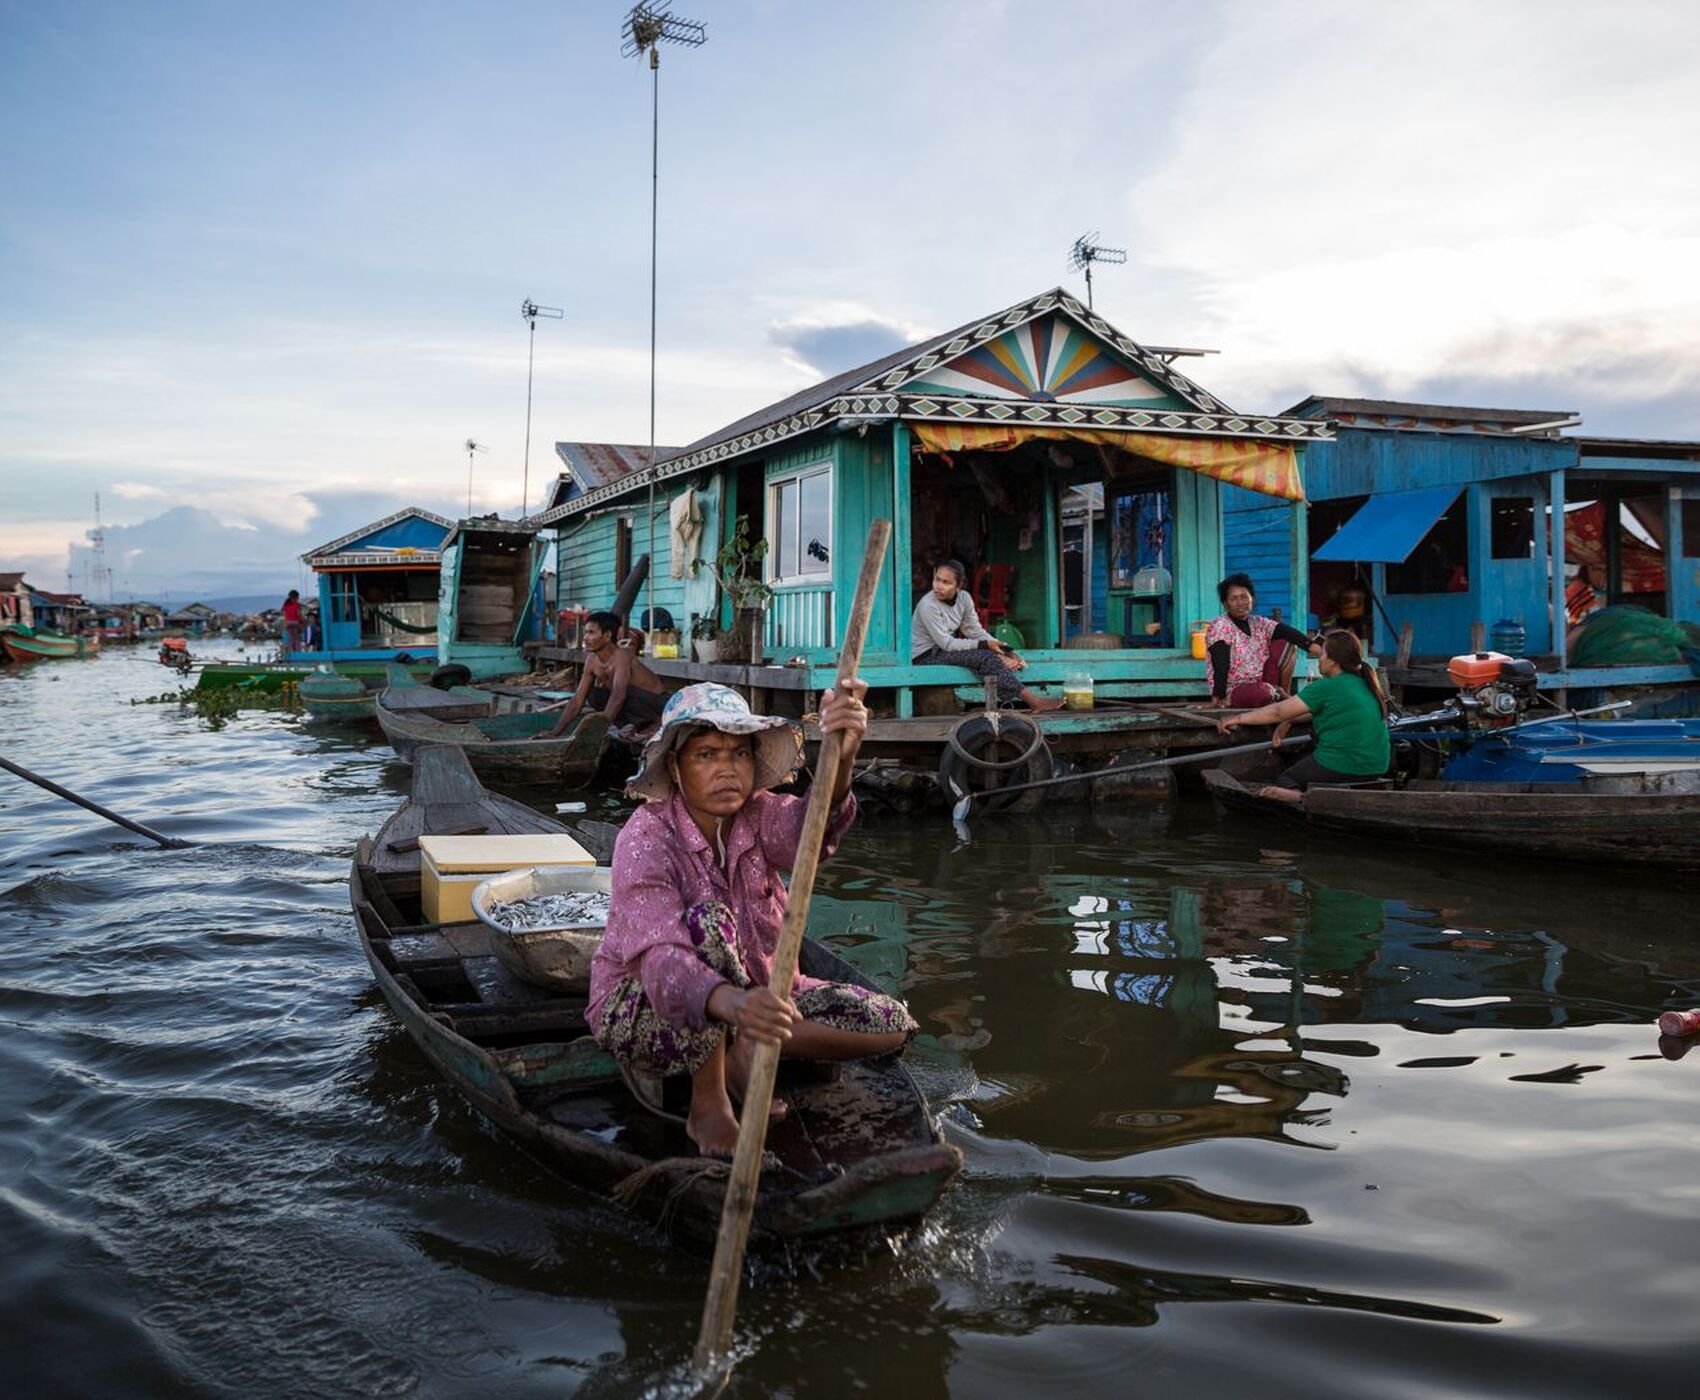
column 378, row 588
column 1446, row 514
column 1001, row 443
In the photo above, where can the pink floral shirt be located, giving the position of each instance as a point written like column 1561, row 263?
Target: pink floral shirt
column 663, row 866
column 1247, row 656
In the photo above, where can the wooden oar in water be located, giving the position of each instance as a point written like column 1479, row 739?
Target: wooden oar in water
column 170, row 842
column 722, row 1304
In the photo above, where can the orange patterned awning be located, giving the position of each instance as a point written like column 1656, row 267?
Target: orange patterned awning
column 1268, row 467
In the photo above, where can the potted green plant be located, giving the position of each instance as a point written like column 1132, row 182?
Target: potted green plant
column 738, row 570
column 705, row 638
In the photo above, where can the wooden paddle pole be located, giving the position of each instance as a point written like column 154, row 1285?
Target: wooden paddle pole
column 170, row 842
column 739, row 1205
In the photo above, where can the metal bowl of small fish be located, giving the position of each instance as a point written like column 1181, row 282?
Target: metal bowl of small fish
column 547, row 922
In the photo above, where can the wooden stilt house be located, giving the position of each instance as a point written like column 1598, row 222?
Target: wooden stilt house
column 1009, row 443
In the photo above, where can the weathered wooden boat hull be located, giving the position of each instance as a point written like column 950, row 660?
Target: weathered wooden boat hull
column 858, row 1151
column 1648, row 821
column 571, row 760
column 25, row 647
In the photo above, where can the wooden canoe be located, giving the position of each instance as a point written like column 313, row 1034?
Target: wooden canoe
column 859, row 1150
column 501, row 748
column 1650, row 821
column 26, row 644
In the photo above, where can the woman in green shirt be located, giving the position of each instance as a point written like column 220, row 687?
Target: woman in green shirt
column 1348, row 712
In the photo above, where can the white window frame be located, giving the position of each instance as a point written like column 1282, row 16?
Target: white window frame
column 776, row 484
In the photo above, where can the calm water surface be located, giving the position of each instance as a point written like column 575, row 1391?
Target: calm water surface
column 1242, row 1114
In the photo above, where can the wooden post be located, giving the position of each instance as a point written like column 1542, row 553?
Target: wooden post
column 1478, row 636
column 1407, row 633
column 722, row 1304
column 902, row 566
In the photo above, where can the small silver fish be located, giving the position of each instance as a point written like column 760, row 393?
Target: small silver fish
column 552, row 910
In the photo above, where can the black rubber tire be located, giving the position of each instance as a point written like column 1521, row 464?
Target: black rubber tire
column 448, row 677
column 1013, row 735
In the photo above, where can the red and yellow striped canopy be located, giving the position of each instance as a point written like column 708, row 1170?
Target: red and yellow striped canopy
column 1268, row 467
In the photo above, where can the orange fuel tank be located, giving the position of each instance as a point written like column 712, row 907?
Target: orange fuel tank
column 1475, row 668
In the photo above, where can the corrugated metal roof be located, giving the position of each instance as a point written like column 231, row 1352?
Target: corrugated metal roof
column 1326, row 406
column 1650, row 447
column 594, row 464
column 9, row 582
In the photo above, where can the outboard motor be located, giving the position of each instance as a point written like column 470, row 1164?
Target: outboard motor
column 1493, row 689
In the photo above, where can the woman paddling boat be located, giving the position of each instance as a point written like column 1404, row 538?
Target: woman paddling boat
column 679, row 983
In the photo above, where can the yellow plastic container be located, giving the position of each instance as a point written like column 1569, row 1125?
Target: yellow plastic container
column 451, row 867
column 1078, row 690
column 1199, row 650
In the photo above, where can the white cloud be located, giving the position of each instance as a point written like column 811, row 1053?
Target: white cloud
column 1446, row 191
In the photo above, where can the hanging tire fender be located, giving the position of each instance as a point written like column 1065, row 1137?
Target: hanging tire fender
column 968, row 765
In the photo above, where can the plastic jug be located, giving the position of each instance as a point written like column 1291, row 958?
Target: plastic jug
column 1199, row 650
column 1078, row 690
column 1508, row 635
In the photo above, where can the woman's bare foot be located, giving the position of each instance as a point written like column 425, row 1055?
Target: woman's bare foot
column 1040, row 703
column 713, row 1127
column 1280, row 794
column 740, row 1054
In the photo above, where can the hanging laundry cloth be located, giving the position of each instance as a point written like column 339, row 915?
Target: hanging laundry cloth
column 684, row 521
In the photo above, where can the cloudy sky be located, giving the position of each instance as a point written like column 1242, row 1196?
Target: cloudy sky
column 266, row 262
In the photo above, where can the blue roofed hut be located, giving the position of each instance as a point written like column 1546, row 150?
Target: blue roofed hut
column 1445, row 514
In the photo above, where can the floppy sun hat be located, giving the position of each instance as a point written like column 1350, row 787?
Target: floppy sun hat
column 778, row 742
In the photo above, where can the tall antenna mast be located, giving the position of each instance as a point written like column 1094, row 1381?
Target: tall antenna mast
column 1088, row 250
column 531, row 311
column 647, row 27
column 471, row 447
column 101, row 580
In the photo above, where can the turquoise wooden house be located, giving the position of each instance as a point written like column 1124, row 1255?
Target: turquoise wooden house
column 1001, row 443
column 1446, row 513
column 378, row 589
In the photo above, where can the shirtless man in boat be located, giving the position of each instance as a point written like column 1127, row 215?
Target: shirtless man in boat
column 615, row 682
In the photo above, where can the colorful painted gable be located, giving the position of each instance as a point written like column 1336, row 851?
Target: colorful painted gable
column 1050, row 359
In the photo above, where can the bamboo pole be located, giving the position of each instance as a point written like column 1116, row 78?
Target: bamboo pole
column 739, row 1205
column 169, row 842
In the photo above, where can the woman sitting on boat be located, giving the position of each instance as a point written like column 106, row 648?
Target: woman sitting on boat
column 1246, row 652
column 1348, row 713
column 679, row 984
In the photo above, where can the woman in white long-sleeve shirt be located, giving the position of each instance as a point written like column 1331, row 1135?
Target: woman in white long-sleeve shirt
column 946, row 631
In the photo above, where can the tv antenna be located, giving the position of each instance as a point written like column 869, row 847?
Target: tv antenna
column 647, row 27
column 1088, row 250
column 100, row 585
column 471, row 447
column 531, row 311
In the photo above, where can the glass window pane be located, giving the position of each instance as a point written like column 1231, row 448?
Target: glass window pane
column 1513, row 527
column 816, row 524
column 785, row 529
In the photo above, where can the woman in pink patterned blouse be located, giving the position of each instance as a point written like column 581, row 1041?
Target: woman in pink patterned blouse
column 679, row 984
column 1246, row 652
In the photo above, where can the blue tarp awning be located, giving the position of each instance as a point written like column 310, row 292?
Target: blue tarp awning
column 1388, row 527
